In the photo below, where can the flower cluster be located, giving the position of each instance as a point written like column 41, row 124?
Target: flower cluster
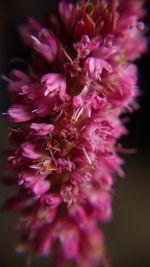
column 78, row 80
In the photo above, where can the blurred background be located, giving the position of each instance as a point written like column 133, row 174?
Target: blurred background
column 128, row 235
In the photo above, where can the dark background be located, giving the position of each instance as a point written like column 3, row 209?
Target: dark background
column 128, row 235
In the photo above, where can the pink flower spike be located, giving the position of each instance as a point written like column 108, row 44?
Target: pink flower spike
column 95, row 66
column 71, row 103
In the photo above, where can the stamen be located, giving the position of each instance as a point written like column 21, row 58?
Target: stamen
column 66, row 54
column 89, row 9
column 35, row 39
column 86, row 155
column 78, row 115
column 52, row 155
column 5, row 78
column 35, row 110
